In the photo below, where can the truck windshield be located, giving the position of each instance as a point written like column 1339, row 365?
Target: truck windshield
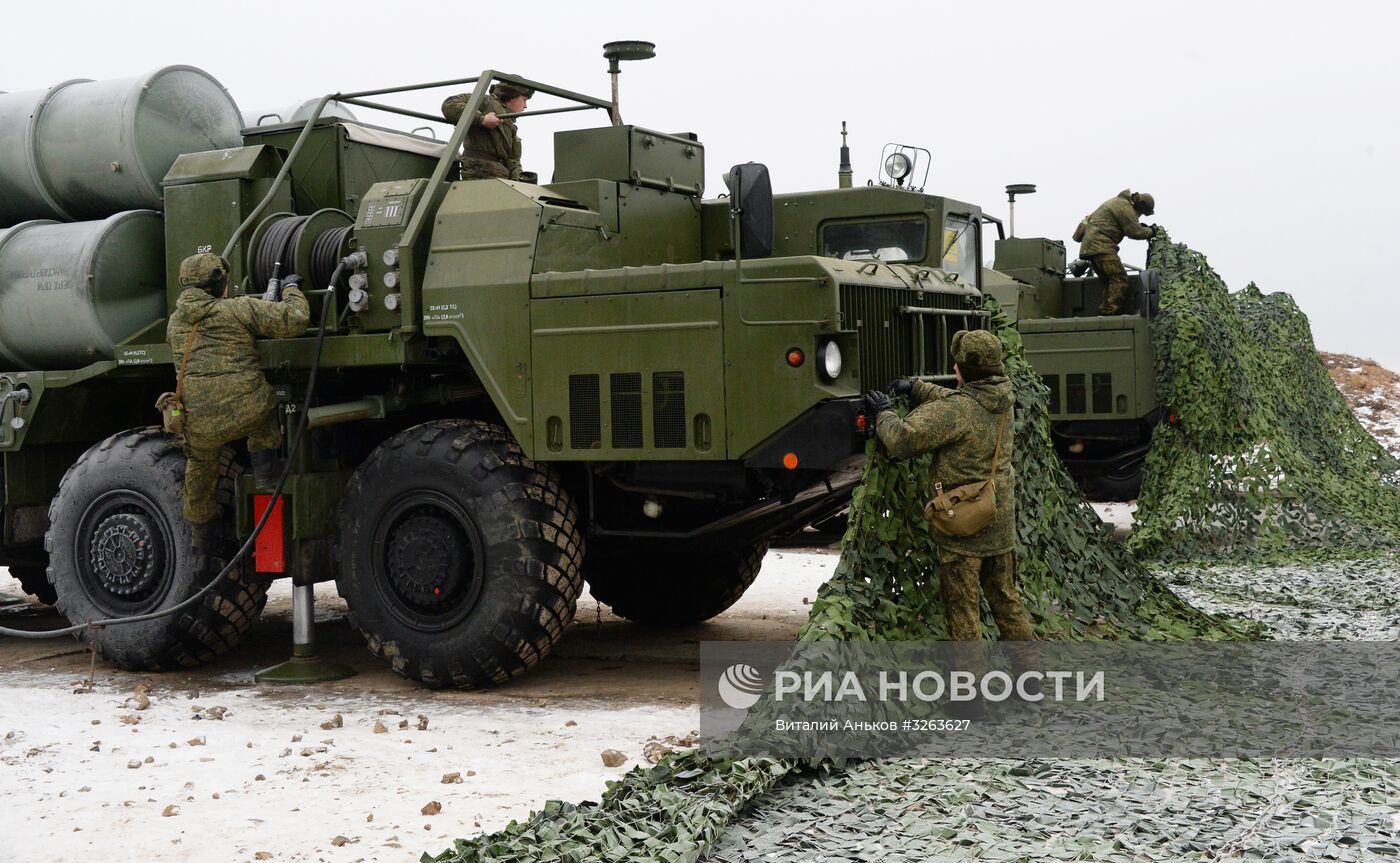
column 960, row 248
column 901, row 240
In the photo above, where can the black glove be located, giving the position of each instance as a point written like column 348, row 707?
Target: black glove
column 875, row 402
column 902, row 387
column 1154, row 229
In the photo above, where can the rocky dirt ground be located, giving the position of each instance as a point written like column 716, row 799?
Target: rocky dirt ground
column 1373, row 392
column 207, row 766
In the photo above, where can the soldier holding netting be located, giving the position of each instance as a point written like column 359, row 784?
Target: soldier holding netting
column 492, row 147
column 971, row 432
column 226, row 398
column 1103, row 230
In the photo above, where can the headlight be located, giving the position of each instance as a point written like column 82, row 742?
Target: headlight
column 898, row 166
column 829, row 360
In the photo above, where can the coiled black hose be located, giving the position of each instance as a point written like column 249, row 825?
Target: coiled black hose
column 276, row 247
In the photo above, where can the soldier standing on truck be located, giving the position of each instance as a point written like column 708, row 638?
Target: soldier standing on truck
column 1102, row 231
column 226, row 398
column 493, row 144
column 971, row 431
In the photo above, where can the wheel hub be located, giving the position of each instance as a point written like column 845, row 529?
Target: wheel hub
column 124, row 554
column 424, row 561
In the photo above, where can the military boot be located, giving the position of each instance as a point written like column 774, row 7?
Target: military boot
column 204, row 538
column 267, row 469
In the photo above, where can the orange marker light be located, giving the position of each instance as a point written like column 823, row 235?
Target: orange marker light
column 861, row 422
column 790, row 461
column 795, row 357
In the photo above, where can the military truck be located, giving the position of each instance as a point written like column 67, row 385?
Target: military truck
column 520, row 387
column 1098, row 369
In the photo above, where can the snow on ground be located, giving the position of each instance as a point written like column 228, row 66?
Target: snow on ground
column 267, row 777
column 87, row 776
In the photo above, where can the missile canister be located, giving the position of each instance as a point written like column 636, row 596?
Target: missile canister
column 88, row 149
column 70, row 292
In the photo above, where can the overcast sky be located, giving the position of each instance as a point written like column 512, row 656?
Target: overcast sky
column 1266, row 131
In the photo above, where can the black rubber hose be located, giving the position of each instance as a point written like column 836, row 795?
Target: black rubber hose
column 325, row 256
column 276, row 247
column 247, row 544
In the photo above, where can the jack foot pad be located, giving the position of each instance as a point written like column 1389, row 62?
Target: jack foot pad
column 300, row 670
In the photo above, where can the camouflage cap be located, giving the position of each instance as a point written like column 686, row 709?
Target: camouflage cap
column 198, row 271
column 977, row 349
column 1146, row 204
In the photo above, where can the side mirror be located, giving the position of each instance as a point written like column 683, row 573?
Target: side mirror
column 751, row 198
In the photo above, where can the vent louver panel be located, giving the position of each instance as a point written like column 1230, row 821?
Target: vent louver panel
column 668, row 409
column 585, row 413
column 626, row 410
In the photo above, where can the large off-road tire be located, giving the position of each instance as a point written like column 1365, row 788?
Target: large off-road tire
column 460, row 558
column 34, row 580
column 119, row 546
column 673, row 589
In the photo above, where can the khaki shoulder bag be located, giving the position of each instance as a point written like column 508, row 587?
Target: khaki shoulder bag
column 170, row 405
column 967, row 509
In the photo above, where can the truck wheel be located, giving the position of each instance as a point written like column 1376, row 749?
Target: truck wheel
column 1124, row 484
column 34, row 580
column 119, row 545
column 459, row 557
column 661, row 590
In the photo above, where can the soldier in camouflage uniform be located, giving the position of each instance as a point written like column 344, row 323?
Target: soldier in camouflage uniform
column 1104, row 229
column 493, row 144
column 225, row 395
column 960, row 426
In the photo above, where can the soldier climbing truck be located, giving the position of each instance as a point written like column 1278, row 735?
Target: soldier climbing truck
column 517, row 387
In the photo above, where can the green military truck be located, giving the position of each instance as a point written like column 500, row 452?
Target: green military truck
column 519, row 387
column 1098, row 369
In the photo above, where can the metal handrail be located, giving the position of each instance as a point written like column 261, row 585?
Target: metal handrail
column 454, row 144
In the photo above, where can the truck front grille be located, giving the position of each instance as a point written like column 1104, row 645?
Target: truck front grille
column 668, row 409
column 904, row 332
column 626, row 410
column 585, row 413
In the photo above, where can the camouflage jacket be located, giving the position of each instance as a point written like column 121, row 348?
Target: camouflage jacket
column 501, row 144
column 224, row 376
column 1114, row 219
column 960, row 428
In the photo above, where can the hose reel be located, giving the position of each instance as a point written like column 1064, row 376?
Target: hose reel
column 310, row 246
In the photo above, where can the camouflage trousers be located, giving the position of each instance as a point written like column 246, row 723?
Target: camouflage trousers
column 965, row 580
column 1109, row 267
column 204, row 447
column 483, row 169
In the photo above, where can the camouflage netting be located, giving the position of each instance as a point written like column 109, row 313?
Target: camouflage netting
column 1077, row 581
column 1267, row 461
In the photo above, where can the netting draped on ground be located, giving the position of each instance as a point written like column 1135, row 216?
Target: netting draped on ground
column 1266, row 460
column 1077, row 580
